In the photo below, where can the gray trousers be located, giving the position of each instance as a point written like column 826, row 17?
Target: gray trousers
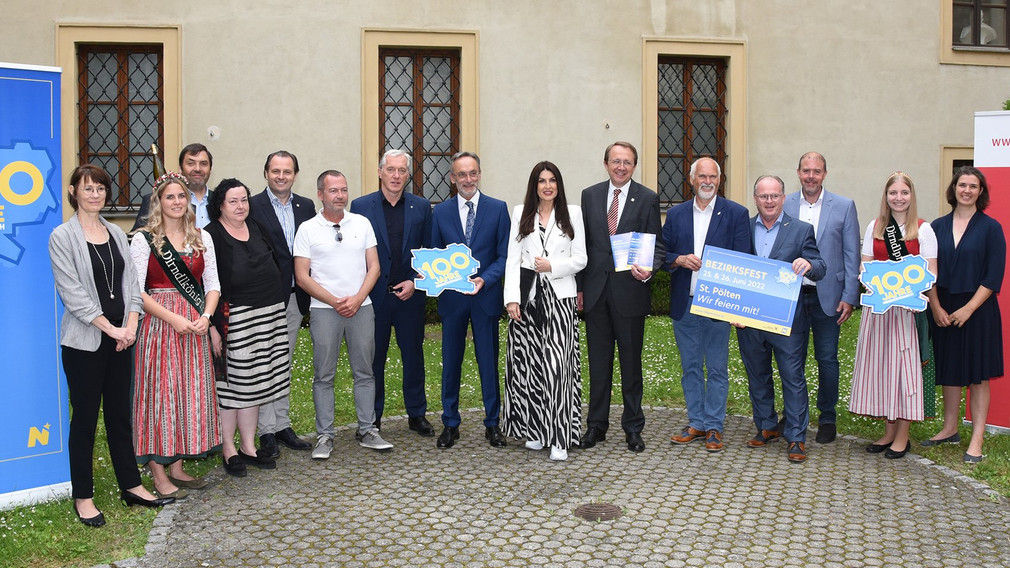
column 274, row 414
column 329, row 329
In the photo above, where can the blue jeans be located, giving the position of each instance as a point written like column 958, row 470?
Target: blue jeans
column 826, row 330
column 704, row 346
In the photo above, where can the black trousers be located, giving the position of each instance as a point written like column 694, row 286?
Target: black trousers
column 605, row 325
column 97, row 379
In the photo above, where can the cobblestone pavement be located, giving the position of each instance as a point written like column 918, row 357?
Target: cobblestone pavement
column 474, row 505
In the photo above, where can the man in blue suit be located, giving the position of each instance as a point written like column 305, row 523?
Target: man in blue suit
column 703, row 343
column 402, row 222
column 778, row 236
column 828, row 303
column 280, row 211
column 482, row 223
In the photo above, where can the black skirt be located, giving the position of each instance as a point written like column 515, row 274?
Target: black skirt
column 972, row 353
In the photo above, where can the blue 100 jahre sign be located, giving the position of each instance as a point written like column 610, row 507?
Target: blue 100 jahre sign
column 891, row 283
column 746, row 289
column 444, row 269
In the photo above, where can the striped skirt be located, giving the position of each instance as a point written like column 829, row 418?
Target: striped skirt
column 174, row 403
column 887, row 376
column 543, row 376
column 258, row 364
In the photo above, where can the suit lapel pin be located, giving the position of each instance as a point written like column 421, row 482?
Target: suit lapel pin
column 632, row 199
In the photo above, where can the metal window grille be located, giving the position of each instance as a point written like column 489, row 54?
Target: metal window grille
column 420, row 112
column 121, row 107
column 692, row 121
column 991, row 32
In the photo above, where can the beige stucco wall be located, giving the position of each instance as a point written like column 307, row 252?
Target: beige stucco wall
column 859, row 81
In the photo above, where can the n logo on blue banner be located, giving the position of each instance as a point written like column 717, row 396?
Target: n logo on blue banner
column 34, row 409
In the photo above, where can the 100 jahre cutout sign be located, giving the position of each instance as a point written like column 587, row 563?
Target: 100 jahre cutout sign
column 444, row 269
column 892, row 283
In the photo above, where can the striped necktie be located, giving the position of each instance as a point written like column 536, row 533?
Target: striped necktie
column 612, row 213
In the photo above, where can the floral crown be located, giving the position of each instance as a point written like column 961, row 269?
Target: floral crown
column 170, row 177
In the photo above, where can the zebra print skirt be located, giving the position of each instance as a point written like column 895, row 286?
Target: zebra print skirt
column 543, row 376
column 258, row 365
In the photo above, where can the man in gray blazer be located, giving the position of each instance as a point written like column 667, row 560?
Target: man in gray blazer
column 828, row 303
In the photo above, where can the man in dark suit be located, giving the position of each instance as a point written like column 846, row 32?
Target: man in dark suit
column 402, row 222
column 280, row 212
column 195, row 163
column 616, row 303
column 482, row 223
column 780, row 237
column 703, row 343
column 828, row 303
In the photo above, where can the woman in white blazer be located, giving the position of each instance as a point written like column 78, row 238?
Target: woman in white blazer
column 543, row 379
column 97, row 282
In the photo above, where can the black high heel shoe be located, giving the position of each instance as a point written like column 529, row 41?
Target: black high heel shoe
column 94, row 522
column 130, row 499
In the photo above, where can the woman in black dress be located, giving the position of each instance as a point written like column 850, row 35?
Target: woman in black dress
column 250, row 330
column 968, row 338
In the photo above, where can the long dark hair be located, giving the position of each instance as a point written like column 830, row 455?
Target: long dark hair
column 532, row 201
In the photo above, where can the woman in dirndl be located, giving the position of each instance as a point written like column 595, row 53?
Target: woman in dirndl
column 174, row 403
column 968, row 330
column 543, row 380
column 250, row 329
column 887, row 376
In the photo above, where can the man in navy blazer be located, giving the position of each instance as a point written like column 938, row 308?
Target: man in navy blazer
column 195, row 163
column 402, row 222
column 828, row 303
column 703, row 343
column 778, row 236
column 280, row 212
column 482, row 223
column 616, row 303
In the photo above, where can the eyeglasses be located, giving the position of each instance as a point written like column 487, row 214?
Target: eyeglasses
column 626, row 163
column 467, row 175
column 390, row 170
column 769, row 196
column 339, row 237
column 96, row 189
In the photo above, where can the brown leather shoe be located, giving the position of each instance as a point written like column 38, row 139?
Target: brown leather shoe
column 797, row 452
column 713, row 443
column 763, row 437
column 687, row 436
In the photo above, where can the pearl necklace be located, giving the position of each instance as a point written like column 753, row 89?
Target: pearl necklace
column 109, row 275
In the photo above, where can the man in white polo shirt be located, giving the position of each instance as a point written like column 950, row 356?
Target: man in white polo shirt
column 337, row 264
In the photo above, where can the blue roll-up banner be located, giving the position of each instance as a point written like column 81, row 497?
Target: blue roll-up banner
column 34, row 411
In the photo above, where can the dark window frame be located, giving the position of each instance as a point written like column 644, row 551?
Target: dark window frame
column 127, row 199
column 975, row 9
column 687, row 155
column 418, row 104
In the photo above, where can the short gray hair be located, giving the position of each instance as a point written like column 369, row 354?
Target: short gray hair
column 393, row 154
column 782, row 185
column 464, row 154
column 694, row 166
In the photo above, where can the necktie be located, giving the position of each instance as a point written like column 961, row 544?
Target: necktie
column 612, row 213
column 468, row 232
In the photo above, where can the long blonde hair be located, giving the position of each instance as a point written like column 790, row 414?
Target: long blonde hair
column 911, row 217
column 155, row 224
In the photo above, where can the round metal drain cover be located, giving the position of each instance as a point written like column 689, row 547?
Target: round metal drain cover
column 598, row 511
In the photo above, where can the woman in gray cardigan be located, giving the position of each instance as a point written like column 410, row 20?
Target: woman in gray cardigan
column 98, row 284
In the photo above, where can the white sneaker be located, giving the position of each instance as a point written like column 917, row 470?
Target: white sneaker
column 373, row 441
column 324, row 445
column 558, row 454
column 534, row 445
